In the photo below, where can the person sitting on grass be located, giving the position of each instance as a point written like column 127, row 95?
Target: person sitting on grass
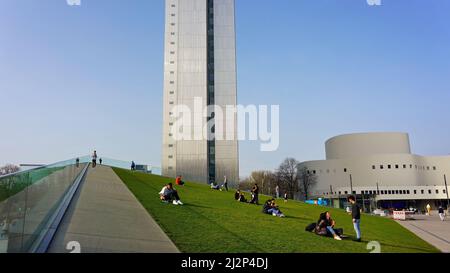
column 267, row 205
column 325, row 226
column 179, row 181
column 242, row 198
column 169, row 194
column 237, row 194
column 270, row 207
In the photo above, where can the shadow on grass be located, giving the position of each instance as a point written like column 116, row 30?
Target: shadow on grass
column 300, row 218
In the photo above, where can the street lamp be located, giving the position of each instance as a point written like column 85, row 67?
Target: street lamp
column 446, row 190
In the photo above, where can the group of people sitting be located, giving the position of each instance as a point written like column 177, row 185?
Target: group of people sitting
column 325, row 226
column 270, row 207
column 239, row 196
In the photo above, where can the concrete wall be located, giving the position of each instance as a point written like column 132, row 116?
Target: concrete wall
column 367, row 144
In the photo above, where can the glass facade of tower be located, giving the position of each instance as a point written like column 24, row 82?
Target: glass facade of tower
column 200, row 62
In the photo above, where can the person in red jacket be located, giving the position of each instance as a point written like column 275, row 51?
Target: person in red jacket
column 178, row 181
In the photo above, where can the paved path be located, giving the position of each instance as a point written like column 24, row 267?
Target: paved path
column 431, row 229
column 105, row 217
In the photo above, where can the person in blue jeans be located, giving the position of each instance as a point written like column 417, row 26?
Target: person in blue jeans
column 356, row 217
column 325, row 226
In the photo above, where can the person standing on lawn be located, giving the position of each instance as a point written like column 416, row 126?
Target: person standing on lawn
column 356, row 217
column 225, row 183
column 255, row 195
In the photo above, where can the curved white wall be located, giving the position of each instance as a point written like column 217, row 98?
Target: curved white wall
column 367, row 144
column 384, row 166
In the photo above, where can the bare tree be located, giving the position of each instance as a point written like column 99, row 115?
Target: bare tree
column 287, row 176
column 307, row 181
column 8, row 169
column 266, row 181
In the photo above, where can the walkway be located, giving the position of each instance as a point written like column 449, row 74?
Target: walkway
column 431, row 229
column 105, row 217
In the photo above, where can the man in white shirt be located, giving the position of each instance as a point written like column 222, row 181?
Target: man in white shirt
column 168, row 193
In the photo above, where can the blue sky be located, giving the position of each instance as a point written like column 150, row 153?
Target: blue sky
column 73, row 79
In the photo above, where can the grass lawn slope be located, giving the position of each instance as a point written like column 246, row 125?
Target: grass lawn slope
column 212, row 222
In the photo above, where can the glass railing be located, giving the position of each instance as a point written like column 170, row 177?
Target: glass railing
column 127, row 165
column 29, row 199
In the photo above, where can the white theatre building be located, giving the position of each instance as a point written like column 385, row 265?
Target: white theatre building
column 380, row 167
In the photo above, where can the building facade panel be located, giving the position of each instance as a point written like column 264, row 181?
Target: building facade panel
column 200, row 63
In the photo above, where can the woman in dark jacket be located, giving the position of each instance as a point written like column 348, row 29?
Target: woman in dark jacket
column 325, row 226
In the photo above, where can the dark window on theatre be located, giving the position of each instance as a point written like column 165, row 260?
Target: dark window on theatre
column 396, row 166
column 381, row 167
column 437, row 191
column 415, row 191
column 408, row 192
column 373, row 167
column 314, row 172
column 170, row 156
column 428, row 168
column 429, row 191
column 434, row 168
column 345, row 170
column 404, row 191
column 404, row 166
column 389, row 167
column 411, row 166
column 346, row 192
column 422, row 191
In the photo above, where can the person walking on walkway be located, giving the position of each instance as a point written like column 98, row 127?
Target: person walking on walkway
column 441, row 213
column 94, row 159
column 133, row 166
column 429, row 210
column 100, row 161
column 77, row 162
column 356, row 217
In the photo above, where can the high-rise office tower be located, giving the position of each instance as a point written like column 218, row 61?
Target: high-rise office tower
column 200, row 68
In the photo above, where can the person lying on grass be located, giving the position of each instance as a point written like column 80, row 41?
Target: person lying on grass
column 270, row 207
column 214, row 186
column 169, row 194
column 325, row 226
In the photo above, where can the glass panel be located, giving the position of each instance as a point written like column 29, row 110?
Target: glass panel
column 28, row 199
